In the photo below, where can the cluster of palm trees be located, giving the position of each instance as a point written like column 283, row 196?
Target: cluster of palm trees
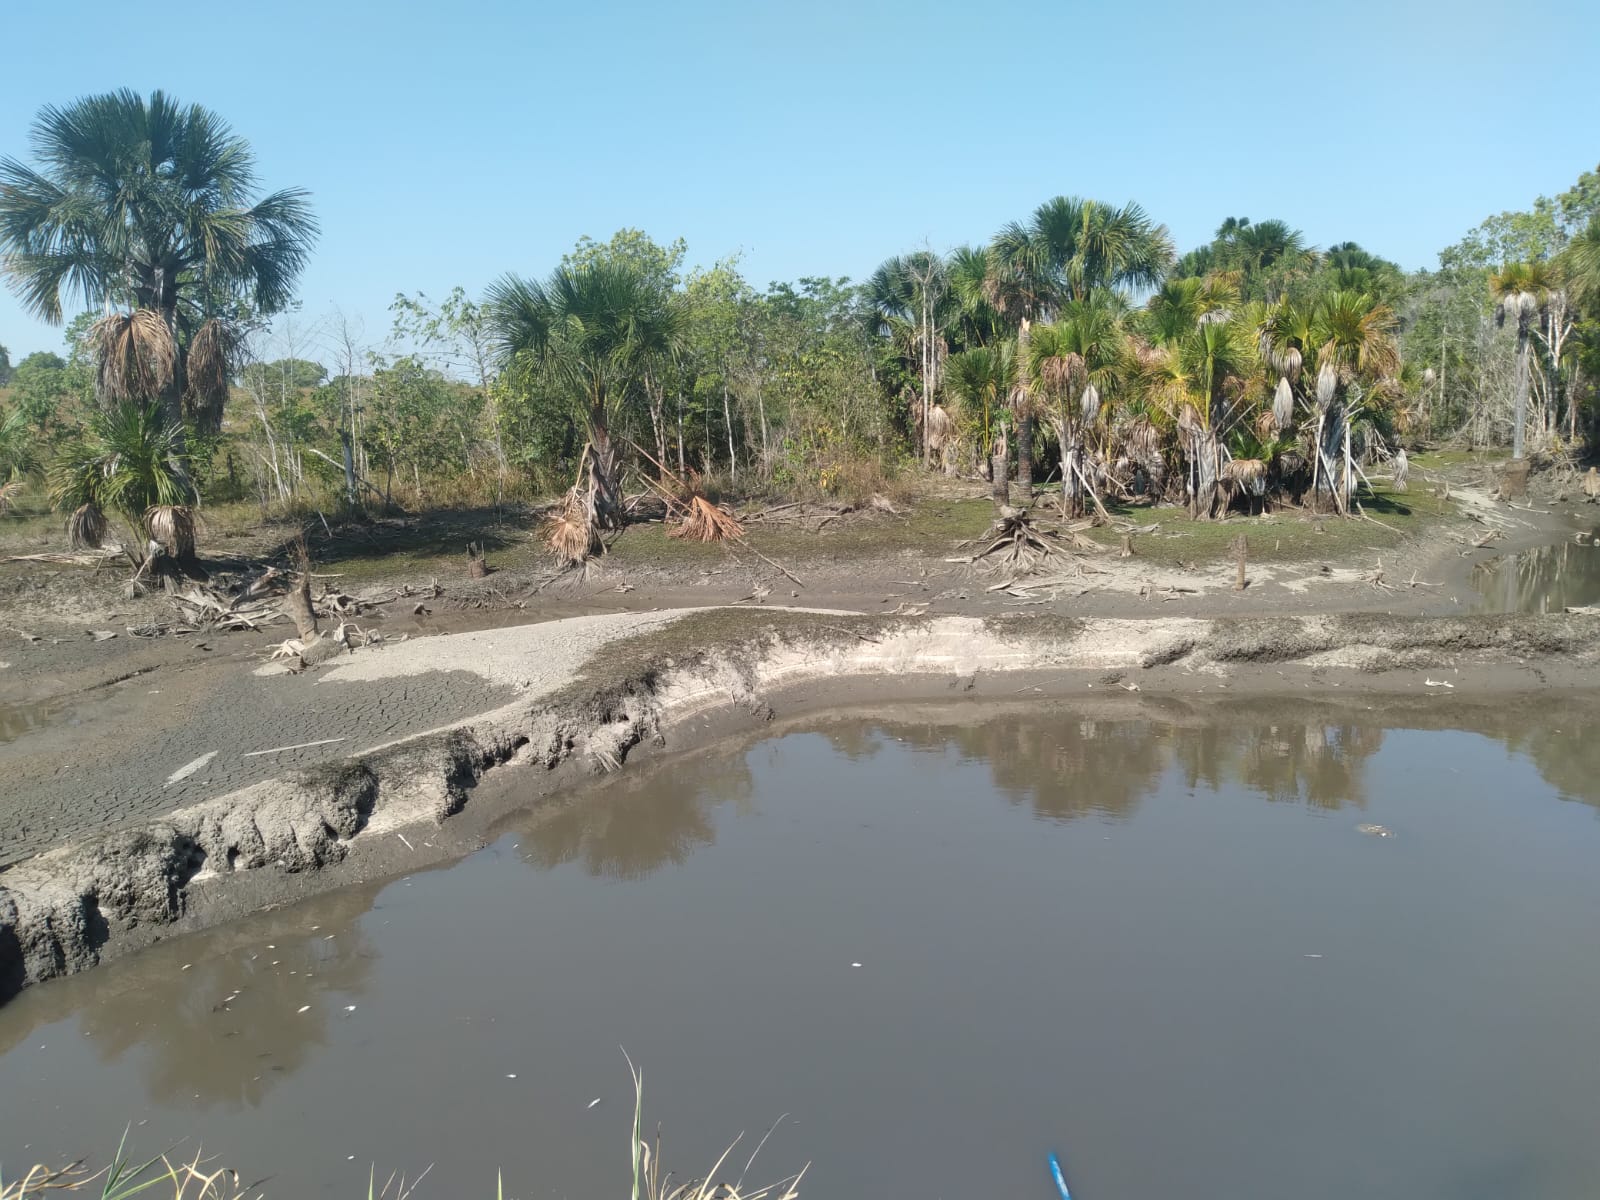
column 1250, row 368
column 1202, row 380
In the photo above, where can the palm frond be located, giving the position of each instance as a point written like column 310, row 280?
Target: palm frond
column 136, row 356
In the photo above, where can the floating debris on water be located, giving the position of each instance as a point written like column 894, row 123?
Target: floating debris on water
column 1374, row 830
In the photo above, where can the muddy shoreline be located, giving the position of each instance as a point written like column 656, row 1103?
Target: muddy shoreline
column 680, row 681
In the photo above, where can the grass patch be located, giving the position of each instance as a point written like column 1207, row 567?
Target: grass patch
column 1286, row 537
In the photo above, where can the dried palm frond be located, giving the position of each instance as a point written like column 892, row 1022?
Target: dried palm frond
column 705, row 522
column 212, row 352
column 7, row 492
column 1060, row 371
column 1265, row 425
column 1247, row 474
column 571, row 534
column 135, row 353
column 86, row 528
column 1143, row 439
column 1189, row 422
column 172, row 527
column 940, row 428
column 1327, row 384
column 1282, row 404
column 1089, row 403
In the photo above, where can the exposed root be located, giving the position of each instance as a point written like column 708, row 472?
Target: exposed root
column 1016, row 546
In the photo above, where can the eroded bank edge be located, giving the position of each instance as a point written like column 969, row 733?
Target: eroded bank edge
column 317, row 829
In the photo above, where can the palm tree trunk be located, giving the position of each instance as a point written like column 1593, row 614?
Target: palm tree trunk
column 727, row 418
column 605, row 499
column 1001, row 471
column 1024, row 406
column 682, row 471
column 1025, row 452
column 1520, row 415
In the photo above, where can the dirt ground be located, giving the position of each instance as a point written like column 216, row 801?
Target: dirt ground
column 99, row 730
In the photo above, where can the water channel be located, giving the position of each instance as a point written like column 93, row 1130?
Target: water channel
column 944, row 941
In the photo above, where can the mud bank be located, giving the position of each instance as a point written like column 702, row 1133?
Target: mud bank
column 592, row 694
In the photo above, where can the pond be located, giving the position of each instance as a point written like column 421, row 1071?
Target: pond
column 1540, row 579
column 944, row 941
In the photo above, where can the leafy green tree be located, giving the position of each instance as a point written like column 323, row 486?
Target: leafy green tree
column 661, row 266
column 50, row 391
column 416, row 417
column 147, row 204
column 5, row 366
column 715, row 339
column 290, row 374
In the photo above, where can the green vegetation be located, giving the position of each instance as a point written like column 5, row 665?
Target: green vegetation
column 1075, row 349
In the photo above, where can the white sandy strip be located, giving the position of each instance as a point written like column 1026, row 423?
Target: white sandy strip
column 536, row 659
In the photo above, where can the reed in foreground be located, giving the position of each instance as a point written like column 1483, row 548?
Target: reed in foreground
column 187, row 1179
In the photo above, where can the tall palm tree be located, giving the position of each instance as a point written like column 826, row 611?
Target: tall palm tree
column 1522, row 292
column 1073, row 361
column 1354, row 337
column 593, row 331
column 149, row 204
column 909, row 299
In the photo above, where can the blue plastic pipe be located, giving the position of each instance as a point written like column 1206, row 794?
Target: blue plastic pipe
column 1061, row 1180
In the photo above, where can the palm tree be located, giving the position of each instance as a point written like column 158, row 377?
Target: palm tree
column 1580, row 264
column 127, row 461
column 1354, row 336
column 1070, row 249
column 908, row 297
column 149, row 205
column 1522, row 291
column 593, row 331
column 983, row 381
column 1073, row 361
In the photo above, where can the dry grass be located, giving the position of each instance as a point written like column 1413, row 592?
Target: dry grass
column 124, row 1179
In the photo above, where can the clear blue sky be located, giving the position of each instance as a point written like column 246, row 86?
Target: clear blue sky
column 448, row 141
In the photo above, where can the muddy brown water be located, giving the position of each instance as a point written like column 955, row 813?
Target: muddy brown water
column 1163, row 948
column 1540, row 579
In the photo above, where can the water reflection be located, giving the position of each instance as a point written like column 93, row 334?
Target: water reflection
column 18, row 720
column 638, row 823
column 1543, row 579
column 1060, row 765
column 1065, row 765
column 215, row 1020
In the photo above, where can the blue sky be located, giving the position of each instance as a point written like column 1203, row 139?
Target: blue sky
column 446, row 143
